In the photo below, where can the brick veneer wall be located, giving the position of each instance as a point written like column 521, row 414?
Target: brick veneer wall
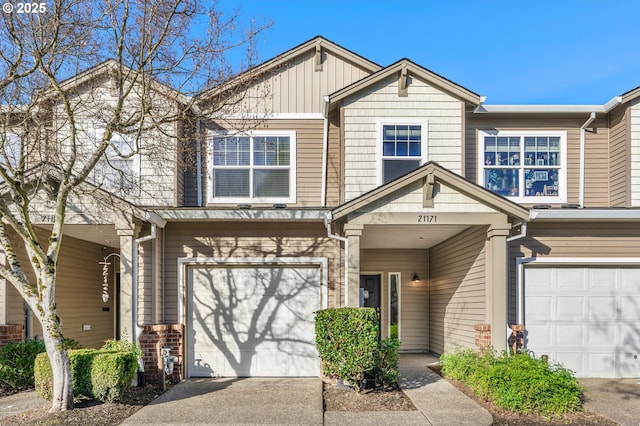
column 153, row 339
column 11, row 333
column 483, row 337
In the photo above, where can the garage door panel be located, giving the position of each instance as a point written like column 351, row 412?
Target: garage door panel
column 568, row 308
column 602, row 308
column 253, row 321
column 593, row 327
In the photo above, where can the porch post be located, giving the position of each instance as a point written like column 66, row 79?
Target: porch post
column 126, row 234
column 353, row 234
column 496, row 291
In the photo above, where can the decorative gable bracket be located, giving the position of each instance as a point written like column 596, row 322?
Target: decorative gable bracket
column 427, row 190
column 402, row 83
column 317, row 59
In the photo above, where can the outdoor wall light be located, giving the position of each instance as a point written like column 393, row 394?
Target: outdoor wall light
column 415, row 277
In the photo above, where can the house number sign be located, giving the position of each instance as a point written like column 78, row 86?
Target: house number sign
column 427, row 218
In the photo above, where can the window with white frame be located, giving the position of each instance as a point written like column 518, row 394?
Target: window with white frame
column 118, row 171
column 258, row 167
column 403, row 149
column 527, row 166
column 11, row 144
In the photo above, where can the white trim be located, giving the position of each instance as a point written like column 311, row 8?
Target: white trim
column 584, row 214
column 272, row 116
column 424, row 141
column 253, row 214
column 562, row 168
column 571, row 261
column 292, row 167
column 399, row 289
column 556, row 109
column 185, row 262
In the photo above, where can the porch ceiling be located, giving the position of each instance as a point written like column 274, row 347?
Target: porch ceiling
column 406, row 236
column 104, row 235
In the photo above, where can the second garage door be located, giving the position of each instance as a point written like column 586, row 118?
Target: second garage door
column 587, row 318
column 253, row 321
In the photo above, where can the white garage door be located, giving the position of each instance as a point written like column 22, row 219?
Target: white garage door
column 587, row 318
column 253, row 321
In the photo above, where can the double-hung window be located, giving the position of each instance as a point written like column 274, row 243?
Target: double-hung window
column 118, row 171
column 403, row 147
column 526, row 166
column 258, row 167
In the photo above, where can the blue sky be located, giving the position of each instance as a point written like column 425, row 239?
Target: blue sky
column 512, row 52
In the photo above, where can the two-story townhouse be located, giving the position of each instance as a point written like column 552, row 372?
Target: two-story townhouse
column 333, row 181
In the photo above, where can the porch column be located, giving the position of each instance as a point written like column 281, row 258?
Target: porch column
column 496, row 291
column 126, row 234
column 353, row 234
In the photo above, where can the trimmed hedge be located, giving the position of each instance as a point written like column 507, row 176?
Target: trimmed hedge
column 515, row 381
column 16, row 363
column 347, row 341
column 96, row 373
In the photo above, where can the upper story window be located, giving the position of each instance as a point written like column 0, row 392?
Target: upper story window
column 403, row 147
column 118, row 171
column 526, row 166
column 259, row 167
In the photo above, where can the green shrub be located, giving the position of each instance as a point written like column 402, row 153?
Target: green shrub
column 16, row 363
column 517, row 382
column 347, row 339
column 99, row 374
column 385, row 371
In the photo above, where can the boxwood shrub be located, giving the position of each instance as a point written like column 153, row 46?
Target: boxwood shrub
column 518, row 382
column 16, row 364
column 96, row 373
column 347, row 341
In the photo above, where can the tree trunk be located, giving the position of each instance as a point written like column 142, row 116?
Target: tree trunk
column 61, row 368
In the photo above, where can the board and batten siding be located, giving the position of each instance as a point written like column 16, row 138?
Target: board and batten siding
column 380, row 102
column 575, row 240
column 414, row 302
column 619, row 158
column 296, row 87
column 457, row 293
column 596, row 193
column 309, row 134
column 243, row 240
column 634, row 131
column 78, row 292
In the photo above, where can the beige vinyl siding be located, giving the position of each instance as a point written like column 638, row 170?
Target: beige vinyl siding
column 619, row 158
column 634, row 131
column 334, row 165
column 78, row 292
column 414, row 302
column 425, row 103
column 244, row 239
column 457, row 289
column 596, row 150
column 309, row 133
column 572, row 240
column 297, row 88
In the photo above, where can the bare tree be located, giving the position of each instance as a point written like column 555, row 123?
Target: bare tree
column 59, row 129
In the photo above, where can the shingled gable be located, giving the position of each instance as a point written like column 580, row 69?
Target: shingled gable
column 412, row 69
column 286, row 57
column 433, row 172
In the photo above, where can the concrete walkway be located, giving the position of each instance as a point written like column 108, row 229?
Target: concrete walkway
column 616, row 399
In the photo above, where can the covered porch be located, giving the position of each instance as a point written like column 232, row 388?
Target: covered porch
column 429, row 250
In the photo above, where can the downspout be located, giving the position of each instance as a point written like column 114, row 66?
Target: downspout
column 325, row 151
column 582, row 140
column 327, row 224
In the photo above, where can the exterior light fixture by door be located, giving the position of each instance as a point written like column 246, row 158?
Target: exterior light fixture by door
column 415, row 278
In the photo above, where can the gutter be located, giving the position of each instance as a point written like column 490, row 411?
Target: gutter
column 327, row 224
column 592, row 117
column 325, row 150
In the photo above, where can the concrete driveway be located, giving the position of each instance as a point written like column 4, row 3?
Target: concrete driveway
column 617, row 399
column 236, row 401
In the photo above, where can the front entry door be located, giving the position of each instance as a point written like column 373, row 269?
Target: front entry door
column 370, row 296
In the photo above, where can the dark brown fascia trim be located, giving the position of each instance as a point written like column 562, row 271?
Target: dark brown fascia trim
column 420, row 72
column 447, row 177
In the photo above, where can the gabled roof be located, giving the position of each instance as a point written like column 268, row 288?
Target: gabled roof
column 444, row 176
column 286, row 57
column 630, row 95
column 107, row 67
column 414, row 69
